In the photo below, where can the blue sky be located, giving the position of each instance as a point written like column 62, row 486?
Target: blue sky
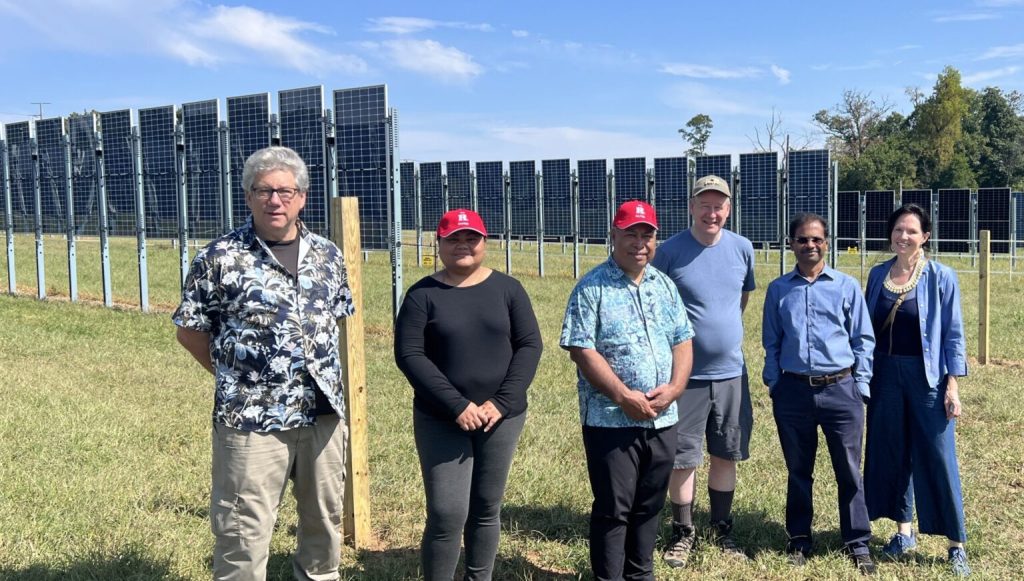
column 512, row 80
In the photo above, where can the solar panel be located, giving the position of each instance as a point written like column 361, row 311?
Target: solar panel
column 524, row 198
column 557, row 197
column 671, row 195
column 301, row 115
column 156, row 128
column 952, row 226
column 407, row 179
column 119, row 169
column 808, row 182
column 630, row 179
column 459, row 185
column 994, row 216
column 759, row 196
column 22, row 180
column 52, row 181
column 847, row 227
column 3, row 189
column 922, row 198
column 82, row 129
column 364, row 148
column 249, row 129
column 595, row 219
column 431, row 194
column 490, row 196
column 878, row 206
column 200, row 122
column 1019, row 198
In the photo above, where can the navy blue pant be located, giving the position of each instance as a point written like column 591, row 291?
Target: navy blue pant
column 839, row 410
column 629, row 470
column 911, row 450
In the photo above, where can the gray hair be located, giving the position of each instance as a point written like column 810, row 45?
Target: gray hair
column 275, row 158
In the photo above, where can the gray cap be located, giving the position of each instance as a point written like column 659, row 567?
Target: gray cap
column 711, row 183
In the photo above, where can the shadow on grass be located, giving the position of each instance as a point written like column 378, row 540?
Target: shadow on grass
column 131, row 564
column 553, row 523
column 404, row 563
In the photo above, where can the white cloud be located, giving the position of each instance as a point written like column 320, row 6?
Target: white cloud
column 1011, row 51
column 520, row 33
column 700, row 98
column 1001, row 3
column 967, row 17
column 708, row 72
column 781, row 74
column 432, row 58
column 412, row 25
column 984, row 76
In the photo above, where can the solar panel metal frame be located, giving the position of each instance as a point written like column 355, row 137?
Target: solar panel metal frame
column 303, row 129
column 630, row 179
column 994, row 215
column 847, row 226
column 248, row 131
column 594, row 214
column 557, row 197
column 432, row 199
column 952, row 226
column 758, row 196
column 460, row 185
column 82, row 131
column 878, row 206
column 364, row 147
column 52, row 178
column 200, row 122
column 523, row 175
column 922, row 198
column 407, row 171
column 119, row 171
column 671, row 195
column 808, row 182
column 490, row 196
column 21, row 176
column 157, row 131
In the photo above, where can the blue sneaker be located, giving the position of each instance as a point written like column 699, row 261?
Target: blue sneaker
column 899, row 545
column 958, row 562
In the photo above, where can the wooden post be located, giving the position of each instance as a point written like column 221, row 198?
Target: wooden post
column 984, row 294
column 345, row 227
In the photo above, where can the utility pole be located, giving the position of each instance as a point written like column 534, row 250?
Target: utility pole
column 41, row 103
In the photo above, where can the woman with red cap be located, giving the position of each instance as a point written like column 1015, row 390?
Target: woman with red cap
column 467, row 340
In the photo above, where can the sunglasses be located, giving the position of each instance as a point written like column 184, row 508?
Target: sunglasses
column 808, row 239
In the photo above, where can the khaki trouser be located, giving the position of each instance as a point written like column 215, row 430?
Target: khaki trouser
column 250, row 472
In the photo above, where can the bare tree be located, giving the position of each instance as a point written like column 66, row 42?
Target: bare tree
column 771, row 136
column 850, row 125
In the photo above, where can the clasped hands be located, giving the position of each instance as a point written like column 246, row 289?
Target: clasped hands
column 474, row 417
column 645, row 406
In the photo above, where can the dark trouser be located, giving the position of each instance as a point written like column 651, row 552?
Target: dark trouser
column 629, row 470
column 839, row 410
column 911, row 450
column 464, row 476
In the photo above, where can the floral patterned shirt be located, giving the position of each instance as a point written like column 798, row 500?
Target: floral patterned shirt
column 273, row 336
column 634, row 327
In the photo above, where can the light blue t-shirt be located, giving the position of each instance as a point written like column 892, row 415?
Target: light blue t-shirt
column 711, row 280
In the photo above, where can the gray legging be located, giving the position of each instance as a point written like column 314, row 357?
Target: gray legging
column 464, row 475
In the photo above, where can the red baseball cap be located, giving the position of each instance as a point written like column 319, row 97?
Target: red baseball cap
column 635, row 212
column 456, row 220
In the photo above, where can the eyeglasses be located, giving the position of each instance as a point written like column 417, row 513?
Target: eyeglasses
column 806, row 239
column 286, row 194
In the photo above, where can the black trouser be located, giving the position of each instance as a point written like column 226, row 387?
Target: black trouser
column 629, row 470
column 464, row 476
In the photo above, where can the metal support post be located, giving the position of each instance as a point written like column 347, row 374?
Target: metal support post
column 611, row 212
column 104, row 225
column 539, row 180
column 227, row 211
column 182, row 191
column 506, row 199
column 69, row 222
column 37, row 221
column 574, row 217
column 394, row 214
column 735, row 204
column 5, row 187
column 330, row 170
column 783, row 188
column 862, row 231
column 418, row 202
column 140, row 219
column 972, row 230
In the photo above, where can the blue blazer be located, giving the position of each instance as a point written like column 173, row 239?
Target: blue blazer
column 942, row 322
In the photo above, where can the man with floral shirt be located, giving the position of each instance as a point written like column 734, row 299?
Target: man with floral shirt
column 627, row 331
column 259, row 311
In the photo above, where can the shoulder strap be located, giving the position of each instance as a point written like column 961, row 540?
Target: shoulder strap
column 892, row 314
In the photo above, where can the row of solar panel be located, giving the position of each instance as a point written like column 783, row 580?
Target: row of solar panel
column 666, row 185
column 192, row 146
column 952, row 211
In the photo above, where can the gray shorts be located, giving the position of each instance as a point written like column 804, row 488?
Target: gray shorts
column 720, row 410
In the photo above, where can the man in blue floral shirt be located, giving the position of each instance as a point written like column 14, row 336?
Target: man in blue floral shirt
column 627, row 331
column 259, row 311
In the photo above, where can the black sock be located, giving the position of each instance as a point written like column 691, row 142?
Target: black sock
column 721, row 504
column 682, row 514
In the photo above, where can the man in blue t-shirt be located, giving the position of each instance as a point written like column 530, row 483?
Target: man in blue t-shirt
column 714, row 271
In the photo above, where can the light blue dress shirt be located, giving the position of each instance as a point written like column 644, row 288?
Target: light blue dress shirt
column 634, row 327
column 817, row 328
column 942, row 323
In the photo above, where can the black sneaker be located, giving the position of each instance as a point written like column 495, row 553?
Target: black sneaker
column 678, row 551
column 798, row 552
column 722, row 531
column 864, row 564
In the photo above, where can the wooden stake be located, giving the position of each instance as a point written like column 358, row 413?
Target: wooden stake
column 984, row 294
column 345, row 226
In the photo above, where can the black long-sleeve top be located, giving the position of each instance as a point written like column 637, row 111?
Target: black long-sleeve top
column 468, row 344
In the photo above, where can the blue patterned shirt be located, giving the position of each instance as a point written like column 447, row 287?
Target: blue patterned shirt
column 634, row 327
column 273, row 336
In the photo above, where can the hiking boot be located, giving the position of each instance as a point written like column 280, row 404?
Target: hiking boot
column 722, row 531
column 678, row 551
column 899, row 545
column 958, row 562
column 864, row 564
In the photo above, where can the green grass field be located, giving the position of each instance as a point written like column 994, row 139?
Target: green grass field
column 105, row 422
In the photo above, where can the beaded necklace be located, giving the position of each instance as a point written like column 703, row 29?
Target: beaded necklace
column 911, row 283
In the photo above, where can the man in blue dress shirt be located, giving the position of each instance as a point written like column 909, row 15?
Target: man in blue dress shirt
column 818, row 344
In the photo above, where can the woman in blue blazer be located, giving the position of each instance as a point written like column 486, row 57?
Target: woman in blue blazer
column 919, row 354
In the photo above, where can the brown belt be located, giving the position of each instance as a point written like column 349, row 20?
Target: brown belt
column 820, row 380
